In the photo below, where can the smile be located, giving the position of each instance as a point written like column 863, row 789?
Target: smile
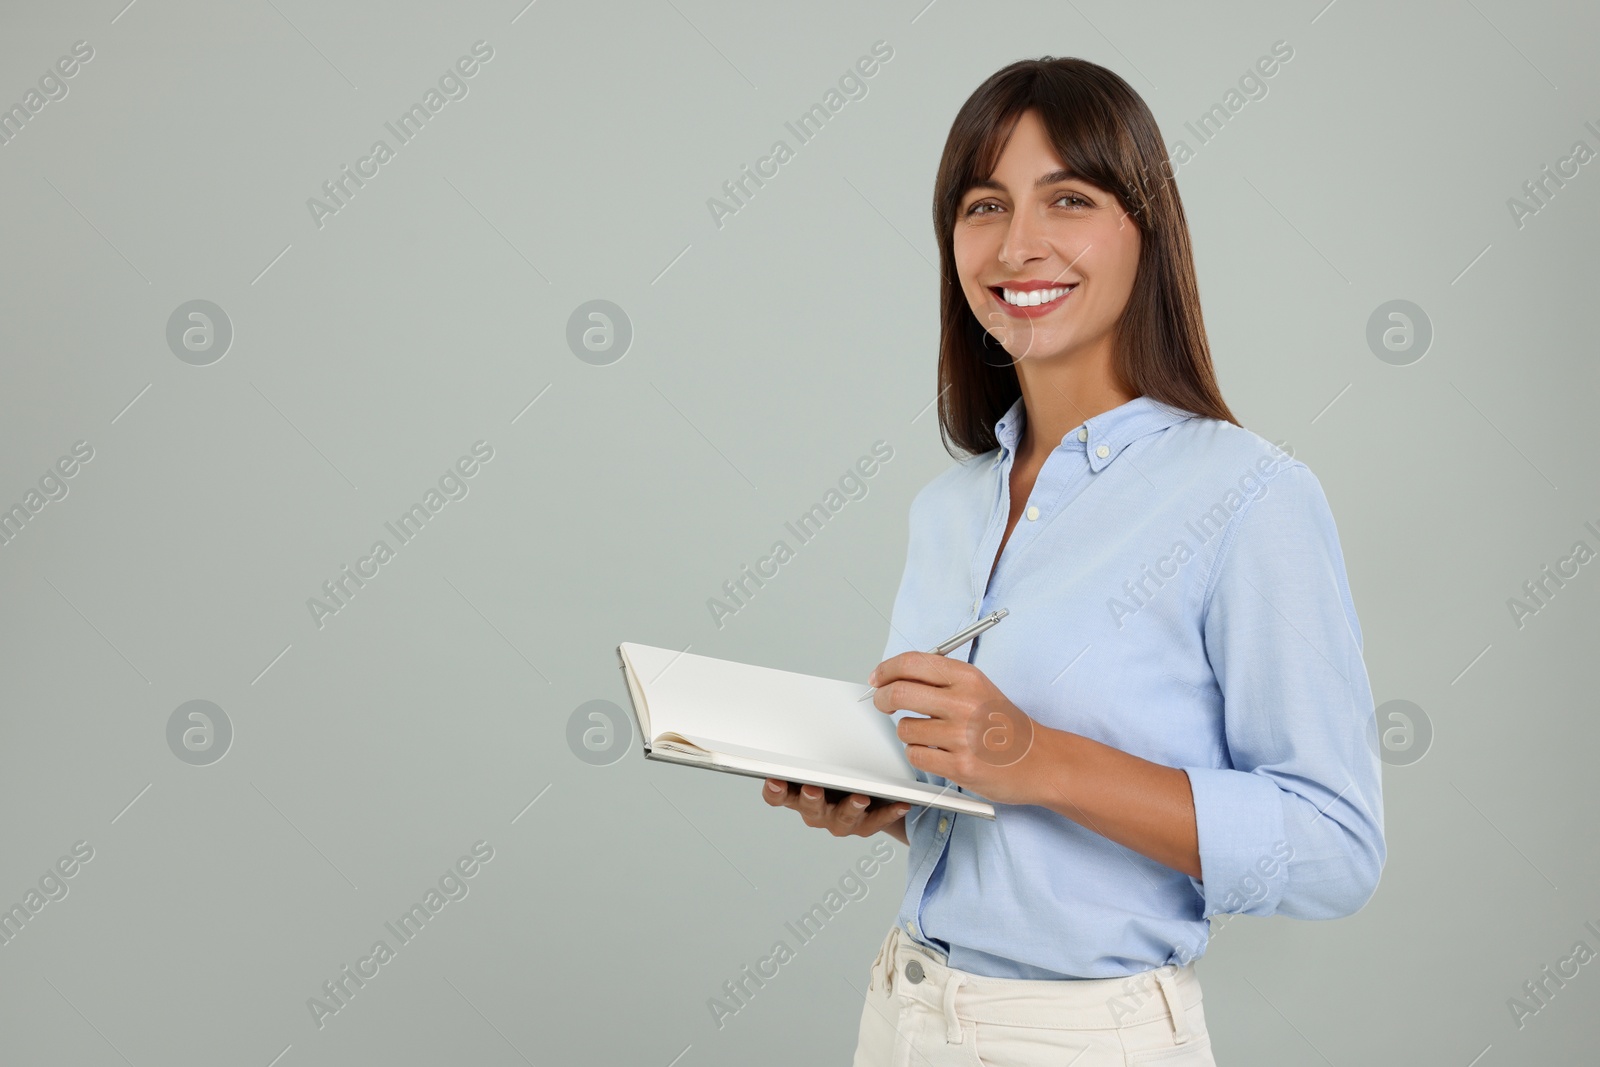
column 1029, row 303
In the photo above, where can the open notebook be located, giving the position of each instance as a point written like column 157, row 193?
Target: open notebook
column 766, row 723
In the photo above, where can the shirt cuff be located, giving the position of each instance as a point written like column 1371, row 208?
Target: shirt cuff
column 1243, row 846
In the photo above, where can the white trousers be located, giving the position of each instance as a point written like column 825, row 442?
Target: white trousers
column 919, row 1012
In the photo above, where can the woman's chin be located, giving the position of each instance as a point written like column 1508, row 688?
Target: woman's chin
column 1039, row 346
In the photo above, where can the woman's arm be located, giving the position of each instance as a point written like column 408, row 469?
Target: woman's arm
column 974, row 736
column 1145, row 806
column 1292, row 823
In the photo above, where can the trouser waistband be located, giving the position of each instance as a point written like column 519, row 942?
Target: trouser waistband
column 1085, row 1004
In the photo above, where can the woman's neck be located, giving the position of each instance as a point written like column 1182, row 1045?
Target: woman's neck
column 1058, row 398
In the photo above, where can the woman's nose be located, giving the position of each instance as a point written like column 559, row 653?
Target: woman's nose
column 1024, row 242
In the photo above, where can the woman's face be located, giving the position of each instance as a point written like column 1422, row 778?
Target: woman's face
column 1034, row 231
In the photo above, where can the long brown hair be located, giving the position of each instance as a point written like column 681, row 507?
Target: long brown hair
column 1103, row 131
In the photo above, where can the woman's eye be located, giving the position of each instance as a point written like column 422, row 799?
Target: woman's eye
column 978, row 208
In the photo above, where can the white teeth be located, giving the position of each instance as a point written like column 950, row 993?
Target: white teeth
column 1035, row 297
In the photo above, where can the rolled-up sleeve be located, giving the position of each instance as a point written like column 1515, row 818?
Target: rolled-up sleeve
column 1292, row 823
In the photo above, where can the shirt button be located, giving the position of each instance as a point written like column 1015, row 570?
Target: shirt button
column 911, row 928
column 1102, row 451
column 1083, row 434
column 977, row 605
column 1033, row 513
column 944, row 824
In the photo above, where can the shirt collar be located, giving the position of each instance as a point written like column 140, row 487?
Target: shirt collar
column 1104, row 436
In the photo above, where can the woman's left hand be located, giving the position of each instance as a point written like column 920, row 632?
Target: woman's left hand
column 973, row 735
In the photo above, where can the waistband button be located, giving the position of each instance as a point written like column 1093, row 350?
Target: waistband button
column 913, row 972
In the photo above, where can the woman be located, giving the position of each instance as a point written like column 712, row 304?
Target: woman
column 1174, row 720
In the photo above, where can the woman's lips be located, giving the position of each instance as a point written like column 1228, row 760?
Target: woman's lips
column 1033, row 311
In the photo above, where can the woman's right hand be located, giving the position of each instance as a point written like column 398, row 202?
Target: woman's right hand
column 852, row 815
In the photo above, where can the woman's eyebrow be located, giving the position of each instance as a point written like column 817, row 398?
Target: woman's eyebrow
column 1065, row 174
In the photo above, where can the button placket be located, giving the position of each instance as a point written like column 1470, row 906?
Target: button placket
column 984, row 561
column 1054, row 479
column 1057, row 493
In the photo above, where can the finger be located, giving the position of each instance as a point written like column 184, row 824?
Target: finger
column 933, row 733
column 792, row 798
column 906, row 694
column 922, row 667
column 878, row 818
column 775, row 792
column 932, row 760
column 813, row 807
column 850, row 811
column 789, row 797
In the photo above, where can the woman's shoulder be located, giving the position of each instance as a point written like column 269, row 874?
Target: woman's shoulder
column 1226, row 448
column 964, row 476
column 1242, row 467
column 969, row 468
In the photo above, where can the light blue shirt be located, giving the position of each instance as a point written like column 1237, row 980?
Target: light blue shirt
column 1176, row 590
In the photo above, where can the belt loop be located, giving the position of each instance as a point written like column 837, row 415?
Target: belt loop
column 890, row 953
column 874, row 971
column 883, row 946
column 1169, row 992
column 952, row 1025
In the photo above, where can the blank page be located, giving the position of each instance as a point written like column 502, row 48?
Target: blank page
column 762, row 709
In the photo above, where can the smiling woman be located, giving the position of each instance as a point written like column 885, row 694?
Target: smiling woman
column 1143, row 767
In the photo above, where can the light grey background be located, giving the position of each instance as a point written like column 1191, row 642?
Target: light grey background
column 767, row 356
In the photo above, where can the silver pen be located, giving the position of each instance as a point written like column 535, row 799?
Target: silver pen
column 955, row 641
